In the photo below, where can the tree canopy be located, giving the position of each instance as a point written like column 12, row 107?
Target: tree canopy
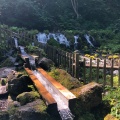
column 60, row 14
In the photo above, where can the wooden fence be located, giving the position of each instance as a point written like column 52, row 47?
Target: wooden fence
column 85, row 70
column 75, row 64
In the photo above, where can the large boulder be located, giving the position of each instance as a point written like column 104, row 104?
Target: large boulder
column 19, row 85
column 88, row 96
column 45, row 63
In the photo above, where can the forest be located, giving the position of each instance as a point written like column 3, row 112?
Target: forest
column 61, row 14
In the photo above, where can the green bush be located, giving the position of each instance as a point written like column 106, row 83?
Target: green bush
column 3, row 82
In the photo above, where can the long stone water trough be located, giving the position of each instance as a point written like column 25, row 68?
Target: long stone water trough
column 65, row 94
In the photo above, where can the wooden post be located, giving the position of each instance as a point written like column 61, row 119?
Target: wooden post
column 70, row 63
column 104, row 73
column 97, row 71
column 111, row 81
column 67, row 61
column 90, row 74
column 84, row 71
column 73, row 64
column 60, row 56
column 119, row 73
column 76, row 72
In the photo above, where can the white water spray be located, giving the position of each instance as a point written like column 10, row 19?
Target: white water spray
column 16, row 42
column 88, row 39
column 43, row 38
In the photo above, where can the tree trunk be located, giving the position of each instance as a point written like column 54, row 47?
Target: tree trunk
column 75, row 7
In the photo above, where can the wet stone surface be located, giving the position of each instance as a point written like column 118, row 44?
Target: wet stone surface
column 3, row 104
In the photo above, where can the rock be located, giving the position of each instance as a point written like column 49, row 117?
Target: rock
column 4, row 72
column 19, row 85
column 45, row 63
column 89, row 95
column 16, row 104
column 3, row 89
column 4, row 115
column 33, row 111
column 27, row 97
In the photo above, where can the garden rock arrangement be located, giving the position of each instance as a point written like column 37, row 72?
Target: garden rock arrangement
column 24, row 102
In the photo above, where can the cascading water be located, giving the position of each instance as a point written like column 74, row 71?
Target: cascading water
column 43, row 38
column 62, row 105
column 76, row 42
column 22, row 50
column 88, row 39
column 16, row 42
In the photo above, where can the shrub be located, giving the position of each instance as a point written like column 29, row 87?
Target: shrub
column 3, row 82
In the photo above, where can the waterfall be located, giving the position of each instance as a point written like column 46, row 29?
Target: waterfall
column 16, row 42
column 22, row 50
column 76, row 38
column 43, row 38
column 88, row 39
column 62, row 103
column 76, row 42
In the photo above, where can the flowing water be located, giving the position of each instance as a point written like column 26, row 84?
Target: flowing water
column 43, row 38
column 88, row 39
column 62, row 105
column 16, row 42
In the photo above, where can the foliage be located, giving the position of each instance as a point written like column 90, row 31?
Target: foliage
column 7, row 63
column 3, row 82
column 53, row 42
column 31, row 48
column 113, row 96
column 59, row 14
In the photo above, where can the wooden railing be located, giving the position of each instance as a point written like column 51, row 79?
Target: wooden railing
column 75, row 64
column 86, row 71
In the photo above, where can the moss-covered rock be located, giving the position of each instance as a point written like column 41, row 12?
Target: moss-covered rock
column 88, row 96
column 64, row 78
column 36, row 110
column 19, row 85
column 27, row 97
column 4, row 115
